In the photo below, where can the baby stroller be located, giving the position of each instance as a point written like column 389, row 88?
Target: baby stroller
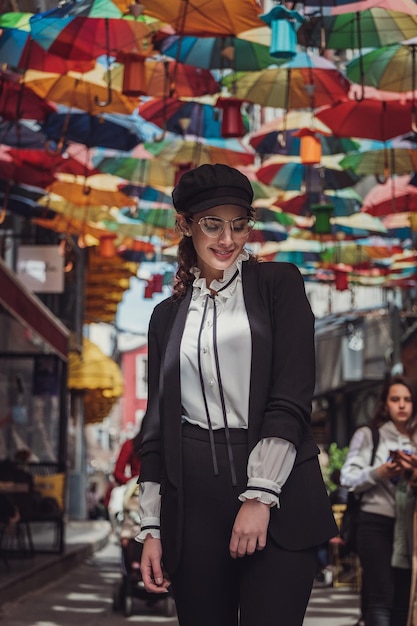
column 131, row 585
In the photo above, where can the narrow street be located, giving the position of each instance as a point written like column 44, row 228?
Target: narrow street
column 85, row 597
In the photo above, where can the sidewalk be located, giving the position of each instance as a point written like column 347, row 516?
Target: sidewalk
column 328, row 606
column 82, row 538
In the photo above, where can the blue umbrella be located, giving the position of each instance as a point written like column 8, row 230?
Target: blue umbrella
column 21, row 134
column 119, row 132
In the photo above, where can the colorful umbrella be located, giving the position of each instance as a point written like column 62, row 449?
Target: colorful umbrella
column 21, row 134
column 295, row 176
column 30, row 167
column 372, row 28
column 344, row 201
column 287, row 142
column 307, row 81
column 88, row 92
column 86, row 29
column 120, row 132
column 96, row 190
column 17, row 101
column 18, row 50
column 386, row 162
column 369, row 118
column 165, row 79
column 218, row 52
column 228, row 151
column 183, row 117
column 206, row 17
column 391, row 68
column 152, row 172
column 395, row 195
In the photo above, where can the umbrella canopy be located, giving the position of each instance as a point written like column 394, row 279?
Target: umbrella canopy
column 20, row 51
column 371, row 28
column 287, row 142
column 307, row 81
column 21, row 134
column 344, row 202
column 183, row 117
column 386, row 162
column 96, row 190
column 206, row 17
column 152, row 172
column 86, row 29
column 17, row 101
column 88, row 92
column 218, row 52
column 168, row 79
column 227, row 151
column 369, row 118
column 119, row 132
column 295, row 176
column 391, row 68
column 395, row 195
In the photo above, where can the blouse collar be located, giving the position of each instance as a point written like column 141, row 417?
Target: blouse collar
column 217, row 284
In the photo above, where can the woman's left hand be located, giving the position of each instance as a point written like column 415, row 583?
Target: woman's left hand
column 250, row 528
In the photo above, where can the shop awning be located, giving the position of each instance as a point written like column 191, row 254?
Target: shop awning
column 31, row 312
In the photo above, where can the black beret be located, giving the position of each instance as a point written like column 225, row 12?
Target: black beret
column 208, row 186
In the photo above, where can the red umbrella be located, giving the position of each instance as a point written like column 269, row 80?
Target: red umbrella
column 20, row 102
column 395, row 195
column 369, row 118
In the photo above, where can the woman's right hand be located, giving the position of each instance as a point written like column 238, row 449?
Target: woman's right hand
column 151, row 566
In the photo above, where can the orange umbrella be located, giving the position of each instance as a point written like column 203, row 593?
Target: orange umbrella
column 206, row 17
column 168, row 79
column 88, row 91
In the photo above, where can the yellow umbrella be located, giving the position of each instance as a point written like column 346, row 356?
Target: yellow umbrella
column 97, row 190
column 88, row 91
column 64, row 207
column 92, row 369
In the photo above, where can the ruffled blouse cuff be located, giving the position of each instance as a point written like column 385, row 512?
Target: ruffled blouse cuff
column 149, row 526
column 266, row 491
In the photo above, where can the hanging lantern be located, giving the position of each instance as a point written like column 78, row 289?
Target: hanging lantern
column 232, row 121
column 182, row 168
column 341, row 280
column 107, row 246
column 310, row 146
column 134, row 75
column 322, row 212
column 158, row 282
column 284, row 24
column 149, row 289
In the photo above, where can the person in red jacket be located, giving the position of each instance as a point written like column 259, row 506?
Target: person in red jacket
column 128, row 462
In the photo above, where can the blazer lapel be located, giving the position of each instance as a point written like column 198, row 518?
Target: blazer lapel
column 171, row 397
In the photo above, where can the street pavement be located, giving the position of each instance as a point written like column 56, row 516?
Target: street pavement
column 85, row 595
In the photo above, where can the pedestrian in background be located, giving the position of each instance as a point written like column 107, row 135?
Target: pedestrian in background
column 383, row 536
column 232, row 500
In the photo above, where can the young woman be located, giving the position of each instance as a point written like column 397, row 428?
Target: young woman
column 232, row 501
column 384, row 529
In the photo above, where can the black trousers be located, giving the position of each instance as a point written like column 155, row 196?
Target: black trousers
column 269, row 588
column 387, row 589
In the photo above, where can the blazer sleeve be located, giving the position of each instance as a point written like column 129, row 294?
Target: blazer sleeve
column 150, row 450
column 288, row 409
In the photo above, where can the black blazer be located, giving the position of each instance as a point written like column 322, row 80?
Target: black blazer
column 282, row 385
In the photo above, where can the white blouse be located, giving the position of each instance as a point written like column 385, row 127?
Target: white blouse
column 272, row 459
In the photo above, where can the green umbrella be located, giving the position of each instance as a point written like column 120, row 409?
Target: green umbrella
column 390, row 68
column 386, row 162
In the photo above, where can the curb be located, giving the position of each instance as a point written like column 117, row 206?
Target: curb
column 38, row 575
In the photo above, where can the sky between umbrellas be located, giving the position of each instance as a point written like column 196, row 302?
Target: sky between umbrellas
column 143, row 92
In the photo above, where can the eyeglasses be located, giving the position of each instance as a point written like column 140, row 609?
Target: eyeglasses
column 214, row 226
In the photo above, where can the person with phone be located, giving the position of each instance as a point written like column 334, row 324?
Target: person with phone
column 384, row 525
